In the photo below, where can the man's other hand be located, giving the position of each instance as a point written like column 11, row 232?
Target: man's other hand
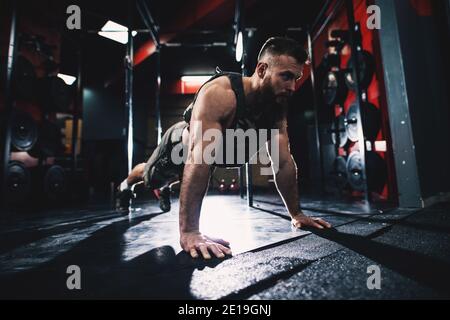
column 300, row 220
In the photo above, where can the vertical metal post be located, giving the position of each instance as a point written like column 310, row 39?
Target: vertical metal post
column 6, row 125
column 241, row 182
column 77, row 108
column 239, row 26
column 248, row 166
column 356, row 48
column 249, row 184
column 158, row 92
column 129, row 92
column 154, row 33
column 316, row 112
column 403, row 147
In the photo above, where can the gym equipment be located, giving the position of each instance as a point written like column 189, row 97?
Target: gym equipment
column 376, row 171
column 18, row 183
column 366, row 71
column 24, row 132
column 222, row 186
column 49, row 141
column 23, row 79
column 338, row 131
column 340, row 34
column 233, row 186
column 371, row 119
column 334, row 90
column 338, row 176
column 331, row 60
column 55, row 183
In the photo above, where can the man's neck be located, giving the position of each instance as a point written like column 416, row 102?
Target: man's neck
column 251, row 91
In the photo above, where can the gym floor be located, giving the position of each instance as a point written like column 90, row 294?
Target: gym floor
column 88, row 90
column 138, row 255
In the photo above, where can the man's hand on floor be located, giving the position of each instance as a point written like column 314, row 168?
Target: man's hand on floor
column 195, row 243
column 300, row 220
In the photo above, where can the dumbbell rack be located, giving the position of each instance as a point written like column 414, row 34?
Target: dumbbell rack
column 337, row 127
column 42, row 170
column 354, row 40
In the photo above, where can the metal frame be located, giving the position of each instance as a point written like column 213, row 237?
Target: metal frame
column 399, row 115
column 337, row 6
column 129, row 91
column 6, row 126
column 149, row 22
column 316, row 107
column 77, row 109
column 356, row 48
column 319, row 24
column 247, row 168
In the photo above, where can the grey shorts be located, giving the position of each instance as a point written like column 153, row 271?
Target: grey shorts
column 160, row 170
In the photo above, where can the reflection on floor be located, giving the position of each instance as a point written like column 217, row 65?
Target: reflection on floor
column 138, row 255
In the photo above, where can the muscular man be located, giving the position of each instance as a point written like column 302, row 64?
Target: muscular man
column 230, row 101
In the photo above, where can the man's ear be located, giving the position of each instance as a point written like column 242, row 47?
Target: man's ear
column 261, row 69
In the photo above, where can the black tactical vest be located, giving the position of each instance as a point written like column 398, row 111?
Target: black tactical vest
column 246, row 117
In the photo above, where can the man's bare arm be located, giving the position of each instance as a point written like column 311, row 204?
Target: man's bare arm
column 286, row 181
column 207, row 114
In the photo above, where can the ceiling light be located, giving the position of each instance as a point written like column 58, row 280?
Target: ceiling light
column 69, row 80
column 116, row 32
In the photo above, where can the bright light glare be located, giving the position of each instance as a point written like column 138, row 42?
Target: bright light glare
column 239, row 47
column 69, row 80
column 195, row 79
column 116, row 32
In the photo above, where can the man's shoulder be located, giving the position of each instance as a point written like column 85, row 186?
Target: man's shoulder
column 218, row 93
column 220, row 88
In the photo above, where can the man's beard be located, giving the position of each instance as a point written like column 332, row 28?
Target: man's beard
column 268, row 95
column 282, row 100
column 271, row 98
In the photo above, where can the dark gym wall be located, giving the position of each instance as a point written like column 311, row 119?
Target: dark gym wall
column 103, row 125
column 423, row 41
column 103, row 115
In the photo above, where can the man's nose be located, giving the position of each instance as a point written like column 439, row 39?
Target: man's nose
column 291, row 87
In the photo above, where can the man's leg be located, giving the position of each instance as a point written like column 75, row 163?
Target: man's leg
column 134, row 177
column 125, row 191
column 163, row 194
column 160, row 173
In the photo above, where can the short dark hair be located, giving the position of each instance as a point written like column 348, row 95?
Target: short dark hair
column 284, row 46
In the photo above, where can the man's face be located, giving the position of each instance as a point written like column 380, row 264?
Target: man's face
column 280, row 79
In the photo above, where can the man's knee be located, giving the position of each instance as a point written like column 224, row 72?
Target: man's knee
column 139, row 169
column 153, row 179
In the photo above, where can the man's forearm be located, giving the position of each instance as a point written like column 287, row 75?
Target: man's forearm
column 193, row 186
column 286, row 183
